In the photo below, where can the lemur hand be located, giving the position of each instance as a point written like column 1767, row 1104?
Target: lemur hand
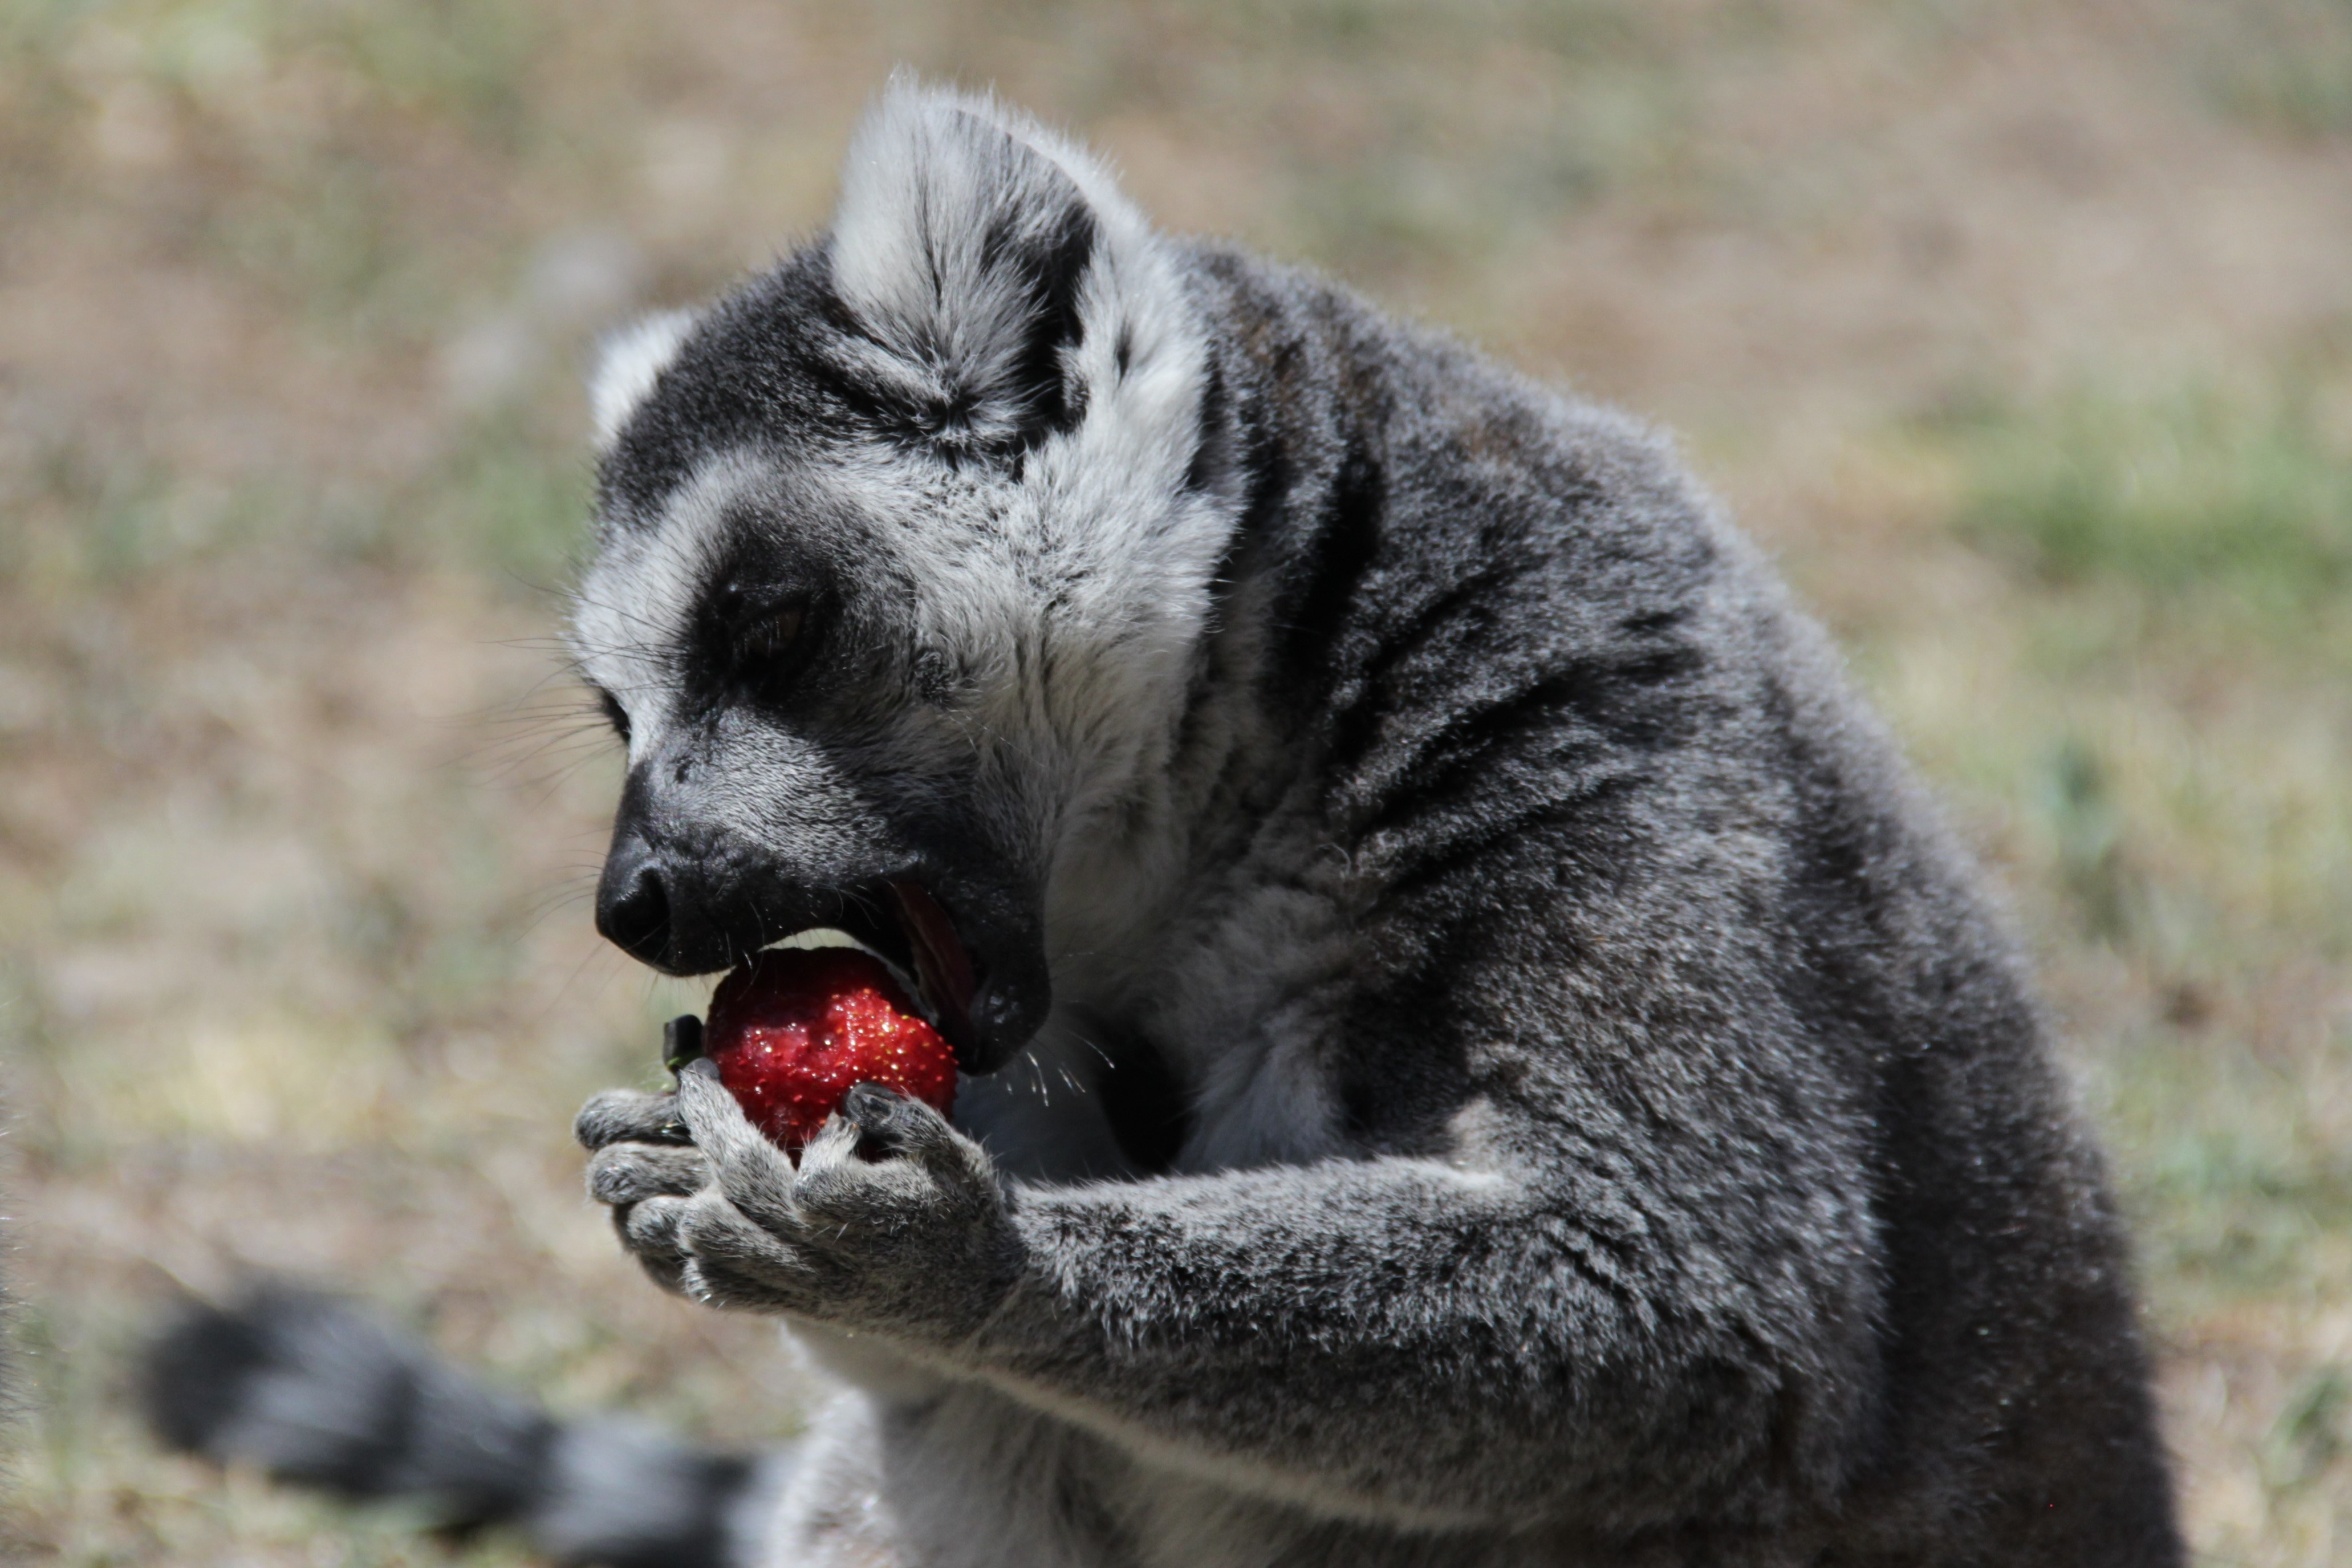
column 894, row 1222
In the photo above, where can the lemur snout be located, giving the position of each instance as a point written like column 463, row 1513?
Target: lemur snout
column 633, row 904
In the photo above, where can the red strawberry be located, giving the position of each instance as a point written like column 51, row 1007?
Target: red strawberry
column 795, row 1028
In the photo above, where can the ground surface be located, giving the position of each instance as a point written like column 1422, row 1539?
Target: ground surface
column 2022, row 333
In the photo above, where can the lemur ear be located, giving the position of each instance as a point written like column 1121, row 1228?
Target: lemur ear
column 984, row 257
column 629, row 360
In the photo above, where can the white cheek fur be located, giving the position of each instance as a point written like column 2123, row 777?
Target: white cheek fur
column 632, row 612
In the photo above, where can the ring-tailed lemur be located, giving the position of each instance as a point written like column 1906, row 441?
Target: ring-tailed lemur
column 1476, row 1054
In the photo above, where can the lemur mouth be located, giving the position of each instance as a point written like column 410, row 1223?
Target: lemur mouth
column 903, row 925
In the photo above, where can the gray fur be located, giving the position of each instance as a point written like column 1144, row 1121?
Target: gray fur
column 1482, row 1057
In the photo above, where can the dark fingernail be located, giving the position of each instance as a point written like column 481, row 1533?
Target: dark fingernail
column 681, row 1041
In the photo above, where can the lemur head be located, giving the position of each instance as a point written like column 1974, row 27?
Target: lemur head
column 902, row 558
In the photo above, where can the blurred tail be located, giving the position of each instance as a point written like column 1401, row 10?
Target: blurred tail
column 316, row 1392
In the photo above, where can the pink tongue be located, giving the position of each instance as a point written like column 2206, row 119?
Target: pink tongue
column 939, row 957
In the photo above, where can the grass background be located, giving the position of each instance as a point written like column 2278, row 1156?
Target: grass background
column 2021, row 331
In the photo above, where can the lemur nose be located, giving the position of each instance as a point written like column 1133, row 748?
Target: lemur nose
column 633, row 906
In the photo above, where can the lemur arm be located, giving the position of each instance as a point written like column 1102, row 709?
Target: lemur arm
column 1509, row 1342
column 1477, row 1345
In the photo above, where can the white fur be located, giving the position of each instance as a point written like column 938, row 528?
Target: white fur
column 930, row 175
column 633, row 606
column 628, row 361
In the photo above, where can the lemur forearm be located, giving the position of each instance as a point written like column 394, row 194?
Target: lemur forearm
column 1395, row 1330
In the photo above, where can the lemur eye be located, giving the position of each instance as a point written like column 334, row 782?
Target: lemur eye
column 771, row 636
column 615, row 714
column 768, row 646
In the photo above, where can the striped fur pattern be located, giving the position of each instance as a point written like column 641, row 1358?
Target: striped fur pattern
column 321, row 1392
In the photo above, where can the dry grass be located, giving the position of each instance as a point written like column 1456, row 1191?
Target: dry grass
column 2021, row 330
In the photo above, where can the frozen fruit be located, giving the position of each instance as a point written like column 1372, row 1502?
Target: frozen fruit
column 793, row 1030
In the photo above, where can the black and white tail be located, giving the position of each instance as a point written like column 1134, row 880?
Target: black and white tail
column 319, row 1393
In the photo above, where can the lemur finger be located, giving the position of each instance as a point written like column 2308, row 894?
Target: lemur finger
column 627, row 1172
column 717, row 1236
column 663, row 1266
column 883, row 1148
column 859, row 1166
column 628, row 1115
column 712, row 1227
column 840, row 1188
column 649, row 1229
column 839, row 1141
column 890, row 1124
column 755, row 1175
column 711, row 1283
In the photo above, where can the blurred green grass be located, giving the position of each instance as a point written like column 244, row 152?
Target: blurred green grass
column 2189, row 494
column 2287, row 66
column 2021, row 331
column 2161, row 551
